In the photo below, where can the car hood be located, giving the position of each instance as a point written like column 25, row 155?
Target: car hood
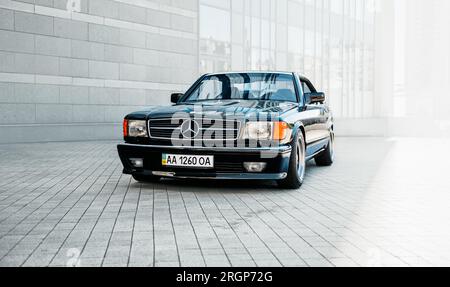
column 228, row 108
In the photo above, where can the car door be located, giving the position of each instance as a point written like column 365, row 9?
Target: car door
column 317, row 115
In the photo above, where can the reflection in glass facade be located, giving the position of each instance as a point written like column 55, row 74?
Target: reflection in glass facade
column 329, row 41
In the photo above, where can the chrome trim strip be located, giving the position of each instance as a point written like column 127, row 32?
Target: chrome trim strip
column 165, row 128
column 318, row 140
column 226, row 176
column 314, row 154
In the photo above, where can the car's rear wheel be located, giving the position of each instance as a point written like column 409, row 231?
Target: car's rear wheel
column 146, row 178
column 326, row 158
column 297, row 165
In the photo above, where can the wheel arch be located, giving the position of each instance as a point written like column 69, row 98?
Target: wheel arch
column 299, row 127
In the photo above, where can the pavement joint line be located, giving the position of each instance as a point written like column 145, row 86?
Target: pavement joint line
column 173, row 229
column 192, row 227
column 115, row 221
column 134, row 224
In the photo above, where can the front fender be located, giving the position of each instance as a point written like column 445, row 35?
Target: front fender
column 298, row 127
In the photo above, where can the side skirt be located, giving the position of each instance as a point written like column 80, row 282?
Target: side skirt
column 316, row 148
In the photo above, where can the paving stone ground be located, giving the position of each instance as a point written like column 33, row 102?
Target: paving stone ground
column 385, row 202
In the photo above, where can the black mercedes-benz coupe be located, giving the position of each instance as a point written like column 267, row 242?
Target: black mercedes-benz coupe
column 232, row 126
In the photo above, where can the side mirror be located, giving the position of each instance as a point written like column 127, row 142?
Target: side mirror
column 314, row 98
column 176, row 97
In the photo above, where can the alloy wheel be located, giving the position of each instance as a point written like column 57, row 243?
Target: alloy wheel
column 301, row 165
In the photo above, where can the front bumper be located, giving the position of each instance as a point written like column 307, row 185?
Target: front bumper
column 229, row 162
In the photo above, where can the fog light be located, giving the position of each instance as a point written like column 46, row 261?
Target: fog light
column 255, row 166
column 137, row 162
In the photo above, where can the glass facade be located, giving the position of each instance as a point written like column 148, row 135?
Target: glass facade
column 329, row 41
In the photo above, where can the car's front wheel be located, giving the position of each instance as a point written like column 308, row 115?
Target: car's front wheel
column 297, row 165
column 146, row 178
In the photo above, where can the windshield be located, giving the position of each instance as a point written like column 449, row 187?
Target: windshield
column 245, row 86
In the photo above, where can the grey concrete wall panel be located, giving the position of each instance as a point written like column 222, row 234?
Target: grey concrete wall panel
column 74, row 76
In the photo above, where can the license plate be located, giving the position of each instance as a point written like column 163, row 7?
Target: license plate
column 193, row 161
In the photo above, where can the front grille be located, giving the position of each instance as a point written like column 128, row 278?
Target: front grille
column 210, row 129
column 229, row 167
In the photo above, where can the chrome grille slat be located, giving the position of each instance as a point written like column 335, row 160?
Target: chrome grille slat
column 163, row 128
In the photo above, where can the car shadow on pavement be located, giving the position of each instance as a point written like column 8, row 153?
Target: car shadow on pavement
column 220, row 185
column 210, row 185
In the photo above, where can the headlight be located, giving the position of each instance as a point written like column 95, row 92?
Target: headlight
column 135, row 128
column 266, row 131
column 258, row 131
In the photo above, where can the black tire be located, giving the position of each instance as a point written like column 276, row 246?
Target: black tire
column 297, row 165
column 146, row 178
column 326, row 158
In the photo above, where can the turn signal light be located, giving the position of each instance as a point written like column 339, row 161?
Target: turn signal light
column 280, row 130
column 125, row 128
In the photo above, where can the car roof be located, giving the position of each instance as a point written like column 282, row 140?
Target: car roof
column 250, row 72
column 258, row 72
